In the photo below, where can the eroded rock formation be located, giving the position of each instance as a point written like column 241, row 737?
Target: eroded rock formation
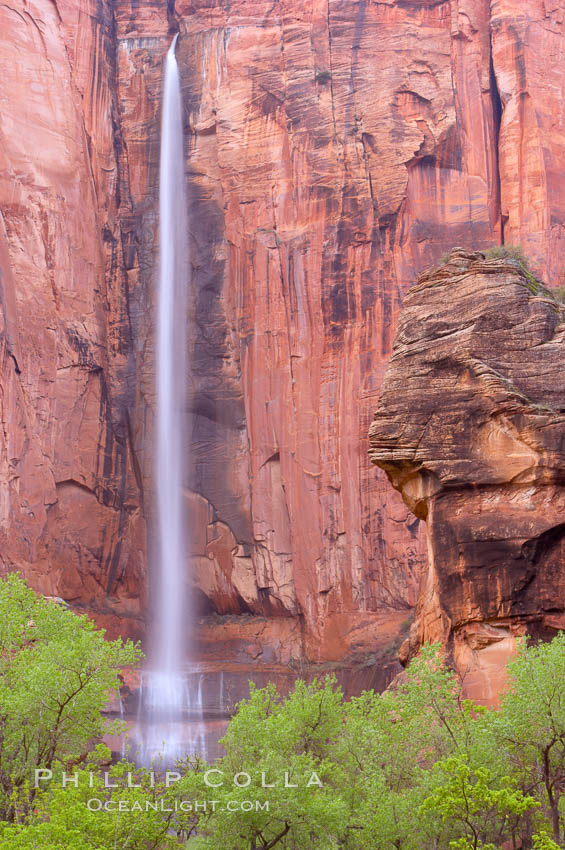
column 470, row 428
column 334, row 149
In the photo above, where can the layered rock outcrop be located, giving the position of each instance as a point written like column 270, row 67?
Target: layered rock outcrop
column 470, row 428
column 334, row 149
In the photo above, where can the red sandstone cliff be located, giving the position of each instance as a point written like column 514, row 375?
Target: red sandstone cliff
column 71, row 516
column 334, row 149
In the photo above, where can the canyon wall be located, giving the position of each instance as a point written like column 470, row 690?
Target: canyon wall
column 334, row 149
column 71, row 510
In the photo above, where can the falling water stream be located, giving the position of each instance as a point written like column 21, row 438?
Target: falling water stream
column 182, row 706
column 170, row 708
column 171, row 460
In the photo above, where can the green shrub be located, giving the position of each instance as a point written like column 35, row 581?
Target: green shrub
column 515, row 252
column 508, row 252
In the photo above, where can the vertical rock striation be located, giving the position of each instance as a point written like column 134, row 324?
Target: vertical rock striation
column 71, row 517
column 334, row 149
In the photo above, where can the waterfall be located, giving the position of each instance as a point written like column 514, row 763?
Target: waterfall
column 171, row 385
column 165, row 705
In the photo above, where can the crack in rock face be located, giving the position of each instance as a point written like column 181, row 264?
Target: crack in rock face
column 470, row 429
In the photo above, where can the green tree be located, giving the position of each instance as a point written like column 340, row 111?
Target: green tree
column 415, row 768
column 56, row 674
column 481, row 807
column 531, row 724
column 282, row 782
column 136, row 813
column 395, row 737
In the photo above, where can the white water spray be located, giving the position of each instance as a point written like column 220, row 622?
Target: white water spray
column 166, row 710
column 171, row 385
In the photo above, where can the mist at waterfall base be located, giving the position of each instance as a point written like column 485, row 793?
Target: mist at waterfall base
column 170, row 715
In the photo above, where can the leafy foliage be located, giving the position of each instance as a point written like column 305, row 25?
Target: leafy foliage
column 531, row 725
column 138, row 813
column 415, row 768
column 56, row 673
